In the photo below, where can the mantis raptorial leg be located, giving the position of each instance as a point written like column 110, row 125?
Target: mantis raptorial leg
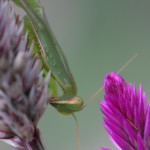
column 55, row 60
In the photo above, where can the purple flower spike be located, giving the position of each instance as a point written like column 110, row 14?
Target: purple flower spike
column 127, row 117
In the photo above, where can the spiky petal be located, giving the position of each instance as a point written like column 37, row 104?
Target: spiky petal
column 126, row 115
column 23, row 94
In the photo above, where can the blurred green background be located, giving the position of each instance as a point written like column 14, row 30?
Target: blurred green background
column 97, row 37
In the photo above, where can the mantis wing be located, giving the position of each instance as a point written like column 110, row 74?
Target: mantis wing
column 55, row 58
column 28, row 27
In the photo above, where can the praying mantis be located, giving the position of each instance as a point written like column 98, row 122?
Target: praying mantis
column 53, row 59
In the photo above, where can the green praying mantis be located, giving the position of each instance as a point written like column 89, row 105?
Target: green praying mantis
column 53, row 59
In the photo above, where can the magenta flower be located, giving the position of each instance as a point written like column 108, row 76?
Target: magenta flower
column 127, row 117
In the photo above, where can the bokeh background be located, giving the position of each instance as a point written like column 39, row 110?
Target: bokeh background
column 97, row 37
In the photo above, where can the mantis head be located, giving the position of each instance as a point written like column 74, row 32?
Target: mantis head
column 68, row 106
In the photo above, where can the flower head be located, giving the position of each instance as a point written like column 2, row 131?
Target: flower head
column 126, row 115
column 22, row 92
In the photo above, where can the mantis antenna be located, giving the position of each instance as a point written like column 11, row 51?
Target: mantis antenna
column 93, row 97
column 101, row 88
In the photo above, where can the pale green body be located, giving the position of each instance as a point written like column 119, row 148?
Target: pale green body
column 53, row 57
